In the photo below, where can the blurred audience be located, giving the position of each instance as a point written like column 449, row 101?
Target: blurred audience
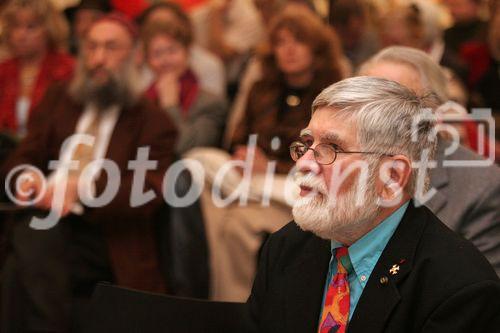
column 82, row 16
column 130, row 8
column 468, row 26
column 199, row 115
column 431, row 17
column 50, row 265
column 485, row 93
column 418, row 24
column 36, row 35
column 189, row 5
column 231, row 29
column 467, row 197
column 467, row 37
column 208, row 68
column 402, row 25
column 254, row 73
column 359, row 38
column 303, row 56
column 4, row 51
column 268, row 9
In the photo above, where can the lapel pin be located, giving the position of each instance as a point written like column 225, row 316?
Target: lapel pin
column 384, row 280
column 394, row 269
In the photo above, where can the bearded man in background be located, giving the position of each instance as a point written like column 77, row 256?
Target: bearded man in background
column 113, row 242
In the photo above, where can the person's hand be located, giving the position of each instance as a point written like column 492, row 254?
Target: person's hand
column 168, row 88
column 30, row 186
column 69, row 197
column 260, row 159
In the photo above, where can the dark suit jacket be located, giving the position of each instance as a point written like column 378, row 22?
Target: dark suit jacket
column 128, row 230
column 444, row 284
column 468, row 200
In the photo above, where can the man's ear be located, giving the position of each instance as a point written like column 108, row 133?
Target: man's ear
column 395, row 173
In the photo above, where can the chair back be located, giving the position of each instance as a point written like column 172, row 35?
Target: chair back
column 114, row 309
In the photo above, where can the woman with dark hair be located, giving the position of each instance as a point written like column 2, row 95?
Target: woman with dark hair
column 36, row 34
column 302, row 58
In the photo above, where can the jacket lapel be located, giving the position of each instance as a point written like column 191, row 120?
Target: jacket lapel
column 123, row 138
column 68, row 113
column 381, row 293
column 304, row 284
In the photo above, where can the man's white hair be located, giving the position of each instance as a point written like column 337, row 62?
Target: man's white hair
column 389, row 117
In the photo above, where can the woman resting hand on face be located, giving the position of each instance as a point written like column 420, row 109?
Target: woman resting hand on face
column 199, row 115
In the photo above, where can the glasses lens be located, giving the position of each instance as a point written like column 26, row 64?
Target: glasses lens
column 324, row 154
column 297, row 150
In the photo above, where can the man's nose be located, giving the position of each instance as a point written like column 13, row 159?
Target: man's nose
column 97, row 57
column 307, row 163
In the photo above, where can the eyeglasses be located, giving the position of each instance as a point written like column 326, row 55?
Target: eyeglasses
column 324, row 153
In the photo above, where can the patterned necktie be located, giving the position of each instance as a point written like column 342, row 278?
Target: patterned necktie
column 337, row 302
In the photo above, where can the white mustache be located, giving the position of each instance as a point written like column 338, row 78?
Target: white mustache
column 310, row 180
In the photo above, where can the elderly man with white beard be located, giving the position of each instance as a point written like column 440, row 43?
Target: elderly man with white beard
column 361, row 255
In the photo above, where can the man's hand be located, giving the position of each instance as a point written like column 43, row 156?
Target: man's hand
column 30, row 186
column 260, row 159
column 168, row 90
column 69, row 197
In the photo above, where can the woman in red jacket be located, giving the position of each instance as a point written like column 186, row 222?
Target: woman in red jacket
column 36, row 34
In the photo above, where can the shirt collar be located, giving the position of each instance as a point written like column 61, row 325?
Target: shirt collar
column 365, row 252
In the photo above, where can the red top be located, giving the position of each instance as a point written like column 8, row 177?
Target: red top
column 55, row 67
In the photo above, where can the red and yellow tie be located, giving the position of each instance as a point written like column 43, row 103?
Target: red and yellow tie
column 337, row 302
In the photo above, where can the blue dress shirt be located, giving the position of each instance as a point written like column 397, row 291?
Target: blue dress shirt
column 363, row 255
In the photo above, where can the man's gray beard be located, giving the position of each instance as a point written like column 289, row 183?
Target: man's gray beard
column 103, row 96
column 336, row 220
column 120, row 89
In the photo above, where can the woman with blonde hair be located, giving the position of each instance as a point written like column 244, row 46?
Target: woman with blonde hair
column 36, row 35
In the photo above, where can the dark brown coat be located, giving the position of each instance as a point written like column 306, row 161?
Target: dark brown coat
column 264, row 116
column 132, row 247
